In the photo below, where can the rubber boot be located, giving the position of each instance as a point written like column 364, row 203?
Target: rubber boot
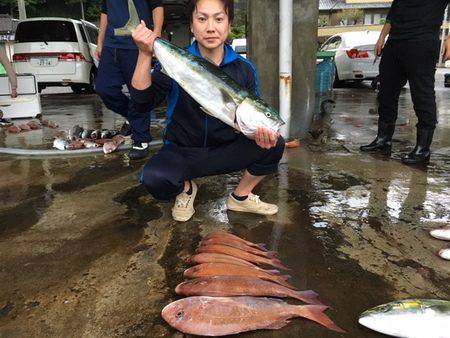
column 421, row 153
column 383, row 141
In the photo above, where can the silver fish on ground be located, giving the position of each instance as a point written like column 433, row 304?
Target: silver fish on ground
column 441, row 233
column 105, row 133
column 86, row 133
column 60, row 143
column 220, row 316
column 444, row 253
column 217, row 93
column 96, row 134
column 412, row 318
column 75, row 132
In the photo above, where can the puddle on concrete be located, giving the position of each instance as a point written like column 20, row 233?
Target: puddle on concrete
column 86, row 250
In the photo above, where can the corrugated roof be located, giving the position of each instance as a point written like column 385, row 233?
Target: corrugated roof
column 326, row 5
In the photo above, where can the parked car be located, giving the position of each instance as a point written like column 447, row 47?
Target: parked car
column 58, row 51
column 355, row 57
column 240, row 46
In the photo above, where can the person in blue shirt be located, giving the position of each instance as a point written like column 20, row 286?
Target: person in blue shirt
column 118, row 56
column 197, row 144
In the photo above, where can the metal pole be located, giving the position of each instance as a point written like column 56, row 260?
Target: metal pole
column 443, row 37
column 285, row 55
column 22, row 9
column 82, row 9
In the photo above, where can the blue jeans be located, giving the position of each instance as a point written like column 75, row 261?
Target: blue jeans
column 116, row 68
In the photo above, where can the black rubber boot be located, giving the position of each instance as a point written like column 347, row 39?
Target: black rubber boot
column 421, row 153
column 383, row 142
column 139, row 151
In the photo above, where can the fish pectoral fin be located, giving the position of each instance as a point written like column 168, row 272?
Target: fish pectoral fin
column 278, row 325
column 205, row 111
column 164, row 71
column 229, row 102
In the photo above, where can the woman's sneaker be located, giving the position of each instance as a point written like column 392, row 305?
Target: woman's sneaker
column 251, row 204
column 183, row 208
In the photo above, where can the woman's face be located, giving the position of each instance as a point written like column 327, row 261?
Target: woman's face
column 210, row 24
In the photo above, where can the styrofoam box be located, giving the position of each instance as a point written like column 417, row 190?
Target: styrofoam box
column 26, row 104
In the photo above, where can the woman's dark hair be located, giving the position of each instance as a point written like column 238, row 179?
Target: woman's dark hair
column 228, row 5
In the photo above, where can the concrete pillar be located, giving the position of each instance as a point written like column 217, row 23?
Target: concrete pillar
column 262, row 44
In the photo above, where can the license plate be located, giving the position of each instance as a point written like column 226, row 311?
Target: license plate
column 44, row 62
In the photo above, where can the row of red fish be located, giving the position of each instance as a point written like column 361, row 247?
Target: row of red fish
column 31, row 125
column 228, row 288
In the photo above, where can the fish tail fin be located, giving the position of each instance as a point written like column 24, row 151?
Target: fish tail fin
column 273, row 272
column 261, row 246
column 315, row 313
column 308, row 296
column 271, row 254
column 282, row 280
column 276, row 263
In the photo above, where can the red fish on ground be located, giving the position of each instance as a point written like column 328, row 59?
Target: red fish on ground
column 220, row 316
column 218, row 258
column 249, row 257
column 231, row 286
column 221, row 269
column 222, row 234
column 238, row 245
column 110, row 147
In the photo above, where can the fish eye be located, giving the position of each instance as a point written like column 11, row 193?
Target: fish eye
column 180, row 315
column 268, row 115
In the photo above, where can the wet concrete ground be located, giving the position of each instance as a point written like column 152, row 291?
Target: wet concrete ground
column 85, row 252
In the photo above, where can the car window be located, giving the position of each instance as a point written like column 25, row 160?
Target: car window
column 80, row 27
column 324, row 46
column 48, row 31
column 332, row 43
column 93, row 33
column 335, row 43
column 241, row 49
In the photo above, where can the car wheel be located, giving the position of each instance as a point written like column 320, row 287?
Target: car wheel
column 77, row 89
column 90, row 88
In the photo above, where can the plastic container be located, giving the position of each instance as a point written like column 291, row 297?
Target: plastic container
column 325, row 72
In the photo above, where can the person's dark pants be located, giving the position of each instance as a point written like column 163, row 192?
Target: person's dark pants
column 116, row 68
column 165, row 173
column 413, row 61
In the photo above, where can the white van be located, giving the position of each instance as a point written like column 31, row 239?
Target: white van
column 58, row 51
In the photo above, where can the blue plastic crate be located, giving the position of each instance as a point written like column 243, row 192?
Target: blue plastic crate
column 325, row 75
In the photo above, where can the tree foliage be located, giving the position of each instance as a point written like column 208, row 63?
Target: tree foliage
column 353, row 16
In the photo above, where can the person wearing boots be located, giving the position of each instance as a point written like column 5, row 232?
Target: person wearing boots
column 118, row 56
column 410, row 54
